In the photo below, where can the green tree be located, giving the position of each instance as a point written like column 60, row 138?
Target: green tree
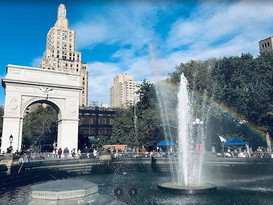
column 198, row 74
column 245, row 84
column 149, row 123
column 40, row 127
column 123, row 131
column 147, row 96
column 140, row 124
column 150, row 128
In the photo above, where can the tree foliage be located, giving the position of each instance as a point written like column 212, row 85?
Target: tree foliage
column 123, row 128
column 40, row 127
column 245, row 84
column 139, row 125
column 147, row 96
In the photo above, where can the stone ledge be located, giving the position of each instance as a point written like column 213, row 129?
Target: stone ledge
column 63, row 189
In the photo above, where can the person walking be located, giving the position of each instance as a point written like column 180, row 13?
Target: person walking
column 73, row 153
column 60, row 152
column 79, row 153
column 66, row 153
column 95, row 153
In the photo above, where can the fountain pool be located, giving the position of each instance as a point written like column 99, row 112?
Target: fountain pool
column 241, row 188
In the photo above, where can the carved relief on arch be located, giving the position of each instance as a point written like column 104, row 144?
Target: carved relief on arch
column 13, row 103
column 12, row 106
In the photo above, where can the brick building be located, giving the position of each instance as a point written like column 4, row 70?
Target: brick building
column 95, row 124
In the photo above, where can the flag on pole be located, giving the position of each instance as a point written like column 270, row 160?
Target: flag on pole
column 222, row 139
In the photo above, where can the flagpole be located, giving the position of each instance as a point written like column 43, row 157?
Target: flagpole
column 268, row 142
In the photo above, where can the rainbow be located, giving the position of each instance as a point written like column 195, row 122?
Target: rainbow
column 238, row 117
column 225, row 109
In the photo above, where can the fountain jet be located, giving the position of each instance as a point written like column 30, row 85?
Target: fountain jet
column 187, row 172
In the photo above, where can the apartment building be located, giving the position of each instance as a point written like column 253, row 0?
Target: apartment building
column 123, row 93
column 266, row 45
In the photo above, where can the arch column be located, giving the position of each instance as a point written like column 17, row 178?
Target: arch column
column 68, row 137
column 12, row 127
column 12, row 121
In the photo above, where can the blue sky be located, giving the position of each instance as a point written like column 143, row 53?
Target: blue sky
column 124, row 36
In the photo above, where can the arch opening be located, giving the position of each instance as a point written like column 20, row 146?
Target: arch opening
column 40, row 127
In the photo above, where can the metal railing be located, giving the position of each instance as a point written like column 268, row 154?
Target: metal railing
column 27, row 157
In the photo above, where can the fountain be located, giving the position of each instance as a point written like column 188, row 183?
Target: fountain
column 187, row 171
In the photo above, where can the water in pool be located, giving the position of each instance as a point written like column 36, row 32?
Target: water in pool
column 233, row 188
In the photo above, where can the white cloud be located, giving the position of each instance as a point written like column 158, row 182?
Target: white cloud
column 121, row 25
column 139, row 68
column 101, row 77
column 36, row 62
column 211, row 30
column 241, row 20
column 89, row 34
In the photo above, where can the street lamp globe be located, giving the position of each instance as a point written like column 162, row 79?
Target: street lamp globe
column 198, row 122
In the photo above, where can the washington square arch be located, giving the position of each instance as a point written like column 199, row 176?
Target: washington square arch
column 25, row 86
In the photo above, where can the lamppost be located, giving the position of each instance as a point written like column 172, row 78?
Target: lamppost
column 197, row 121
column 199, row 145
column 10, row 140
column 135, row 123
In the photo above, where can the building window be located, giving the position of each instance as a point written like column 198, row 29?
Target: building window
column 91, row 121
column 102, row 121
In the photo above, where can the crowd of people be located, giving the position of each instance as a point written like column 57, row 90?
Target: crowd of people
column 58, row 153
column 241, row 152
column 140, row 152
column 75, row 154
column 92, row 152
column 117, row 151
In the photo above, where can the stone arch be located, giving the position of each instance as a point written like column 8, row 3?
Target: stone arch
column 25, row 86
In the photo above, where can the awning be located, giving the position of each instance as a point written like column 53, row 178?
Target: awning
column 166, row 143
column 235, row 142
